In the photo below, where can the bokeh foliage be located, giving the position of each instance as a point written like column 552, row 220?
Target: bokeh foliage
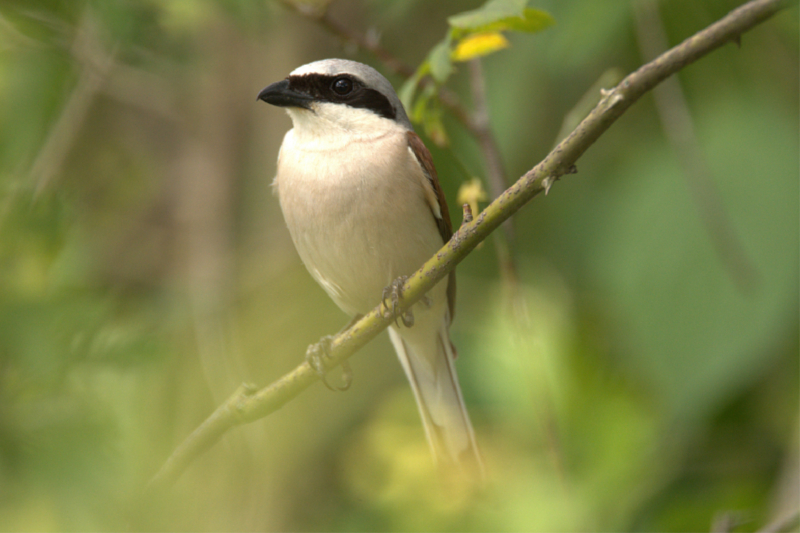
column 631, row 381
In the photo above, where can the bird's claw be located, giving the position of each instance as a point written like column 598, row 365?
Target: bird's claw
column 316, row 355
column 407, row 318
column 392, row 293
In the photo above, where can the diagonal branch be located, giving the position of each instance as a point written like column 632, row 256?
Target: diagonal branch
column 247, row 404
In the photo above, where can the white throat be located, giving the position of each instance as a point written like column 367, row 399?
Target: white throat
column 329, row 126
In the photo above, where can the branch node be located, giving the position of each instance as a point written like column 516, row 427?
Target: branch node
column 238, row 401
column 611, row 97
column 467, row 214
column 547, row 183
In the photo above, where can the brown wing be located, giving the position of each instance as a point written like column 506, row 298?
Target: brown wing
column 422, row 154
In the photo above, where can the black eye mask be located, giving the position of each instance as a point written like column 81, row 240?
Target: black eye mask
column 342, row 89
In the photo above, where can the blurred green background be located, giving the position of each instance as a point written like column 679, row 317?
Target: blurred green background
column 636, row 379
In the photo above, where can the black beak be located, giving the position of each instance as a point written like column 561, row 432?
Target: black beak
column 281, row 95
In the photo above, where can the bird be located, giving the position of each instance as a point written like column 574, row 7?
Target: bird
column 362, row 201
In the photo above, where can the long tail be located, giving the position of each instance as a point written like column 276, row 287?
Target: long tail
column 429, row 366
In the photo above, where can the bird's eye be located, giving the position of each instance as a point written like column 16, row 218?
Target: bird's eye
column 342, row 86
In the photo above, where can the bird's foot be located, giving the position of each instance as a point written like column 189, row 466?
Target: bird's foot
column 316, row 354
column 392, row 294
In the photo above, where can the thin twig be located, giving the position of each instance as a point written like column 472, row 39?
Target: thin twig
column 496, row 175
column 247, row 406
column 467, row 216
column 448, row 98
column 673, row 112
column 94, row 63
column 365, row 43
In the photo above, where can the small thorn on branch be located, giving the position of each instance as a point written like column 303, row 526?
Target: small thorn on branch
column 547, row 183
column 467, row 214
column 573, row 169
column 611, row 97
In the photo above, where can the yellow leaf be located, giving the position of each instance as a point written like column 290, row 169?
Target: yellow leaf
column 479, row 44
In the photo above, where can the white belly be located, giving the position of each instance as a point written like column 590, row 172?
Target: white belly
column 358, row 216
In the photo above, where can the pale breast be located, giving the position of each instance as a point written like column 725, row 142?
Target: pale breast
column 358, row 215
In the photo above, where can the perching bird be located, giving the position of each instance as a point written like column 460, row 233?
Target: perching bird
column 362, row 202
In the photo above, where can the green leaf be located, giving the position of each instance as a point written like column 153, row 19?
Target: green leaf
column 421, row 105
column 427, row 112
column 492, row 11
column 439, row 59
column 531, row 21
column 434, row 129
